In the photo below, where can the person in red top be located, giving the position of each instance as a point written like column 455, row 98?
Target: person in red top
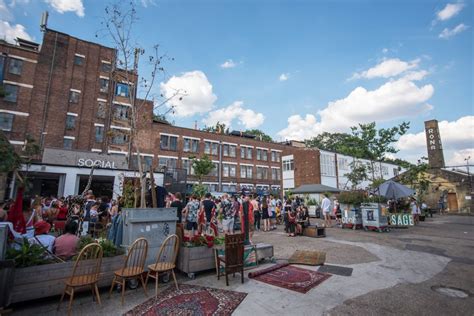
column 65, row 246
column 246, row 219
column 62, row 215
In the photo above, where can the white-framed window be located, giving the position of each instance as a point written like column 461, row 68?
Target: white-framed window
column 147, row 162
column 262, row 154
column 167, row 162
column 276, row 174
column 119, row 138
column 275, row 156
column 122, row 90
column 70, row 121
column 288, row 165
column 228, row 170
column 262, row 173
column 104, row 85
column 168, row 142
column 190, row 145
column 188, row 165
column 121, row 112
column 342, row 163
column 328, row 167
column 384, row 170
column 105, row 67
column 74, row 96
column 99, row 134
column 11, row 92
column 211, row 148
column 79, row 60
column 215, row 172
column 67, row 143
column 246, row 172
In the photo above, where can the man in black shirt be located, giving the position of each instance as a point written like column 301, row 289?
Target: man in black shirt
column 209, row 207
column 177, row 202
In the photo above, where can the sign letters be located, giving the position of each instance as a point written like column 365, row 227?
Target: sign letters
column 104, row 164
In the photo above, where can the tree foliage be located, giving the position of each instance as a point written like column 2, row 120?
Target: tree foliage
column 357, row 175
column 219, row 128
column 417, row 178
column 259, row 134
column 202, row 167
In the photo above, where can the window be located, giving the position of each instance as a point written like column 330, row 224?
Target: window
column 276, row 174
column 15, row 66
column 67, row 143
column 262, row 173
column 122, row 90
column 121, row 112
column 6, row 122
column 243, row 151
column 101, row 110
column 70, row 121
column 99, row 134
column 275, row 156
column 169, row 163
column 246, row 172
column 11, row 92
column 228, row 170
column 215, row 172
column 211, row 148
column 396, row 171
column 262, row 154
column 230, row 188
column 328, row 165
column 146, row 161
column 212, row 187
column 190, row 145
column 79, row 60
column 169, row 142
column 249, row 153
column 384, row 170
column 342, row 164
column 188, row 165
column 104, row 85
column 229, row 150
column 74, row 96
column 119, row 138
column 105, row 67
column 288, row 165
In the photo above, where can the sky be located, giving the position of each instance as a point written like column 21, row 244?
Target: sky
column 295, row 69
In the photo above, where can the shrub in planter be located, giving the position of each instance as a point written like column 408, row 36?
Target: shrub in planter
column 108, row 247
column 27, row 255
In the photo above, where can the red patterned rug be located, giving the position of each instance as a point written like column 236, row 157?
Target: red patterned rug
column 290, row 277
column 190, row 300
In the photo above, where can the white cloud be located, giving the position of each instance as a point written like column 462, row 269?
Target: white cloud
column 454, row 135
column 393, row 100
column 300, row 128
column 11, row 32
column 284, row 77
column 146, row 3
column 199, row 97
column 63, row 6
column 385, row 50
column 450, row 10
column 416, row 75
column 229, row 63
column 246, row 117
column 458, row 157
column 387, row 68
column 447, row 33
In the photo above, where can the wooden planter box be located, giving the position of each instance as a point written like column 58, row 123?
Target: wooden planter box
column 196, row 259
column 48, row 280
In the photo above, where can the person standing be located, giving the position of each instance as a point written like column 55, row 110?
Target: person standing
column 190, row 213
column 246, row 219
column 337, row 213
column 256, row 212
column 285, row 211
column 228, row 214
column 208, row 207
column 179, row 206
column 326, row 208
column 415, row 210
column 265, row 216
column 235, row 210
column 441, row 205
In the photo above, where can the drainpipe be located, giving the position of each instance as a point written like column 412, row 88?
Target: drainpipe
column 219, row 173
column 48, row 90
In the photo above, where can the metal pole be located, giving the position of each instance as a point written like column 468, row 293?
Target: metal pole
column 219, row 173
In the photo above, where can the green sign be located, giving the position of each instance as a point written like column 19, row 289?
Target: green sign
column 401, row 220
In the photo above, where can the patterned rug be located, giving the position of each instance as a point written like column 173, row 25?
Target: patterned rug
column 290, row 277
column 190, row 300
column 308, row 257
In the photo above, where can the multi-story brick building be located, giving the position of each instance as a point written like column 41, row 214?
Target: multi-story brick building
column 70, row 97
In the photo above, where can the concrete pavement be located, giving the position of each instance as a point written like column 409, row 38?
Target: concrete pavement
column 393, row 274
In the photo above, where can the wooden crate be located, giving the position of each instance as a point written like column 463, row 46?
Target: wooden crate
column 315, row 232
column 48, row 280
column 196, row 259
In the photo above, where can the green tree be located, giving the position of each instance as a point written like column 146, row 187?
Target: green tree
column 202, row 167
column 357, row 175
column 417, row 178
column 259, row 134
column 219, row 128
column 338, row 142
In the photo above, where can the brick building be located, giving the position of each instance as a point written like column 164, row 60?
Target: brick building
column 70, row 97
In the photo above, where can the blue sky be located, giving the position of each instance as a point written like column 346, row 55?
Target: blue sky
column 298, row 68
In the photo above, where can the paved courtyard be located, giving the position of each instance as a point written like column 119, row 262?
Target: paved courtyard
column 393, row 274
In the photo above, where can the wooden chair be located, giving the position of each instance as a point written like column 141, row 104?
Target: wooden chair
column 165, row 261
column 233, row 260
column 86, row 272
column 133, row 267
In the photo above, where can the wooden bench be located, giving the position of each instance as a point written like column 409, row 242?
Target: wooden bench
column 314, row 231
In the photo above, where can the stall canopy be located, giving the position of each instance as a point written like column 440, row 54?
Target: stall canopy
column 315, row 188
column 393, row 190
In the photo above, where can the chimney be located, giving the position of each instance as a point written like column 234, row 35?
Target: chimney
column 44, row 21
column 434, row 145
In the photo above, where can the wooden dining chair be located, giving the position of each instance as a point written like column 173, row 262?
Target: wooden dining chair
column 233, row 259
column 165, row 261
column 85, row 272
column 133, row 267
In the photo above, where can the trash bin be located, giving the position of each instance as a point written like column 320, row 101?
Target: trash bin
column 351, row 219
column 372, row 218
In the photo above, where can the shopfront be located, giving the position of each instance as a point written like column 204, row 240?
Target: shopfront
column 64, row 173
